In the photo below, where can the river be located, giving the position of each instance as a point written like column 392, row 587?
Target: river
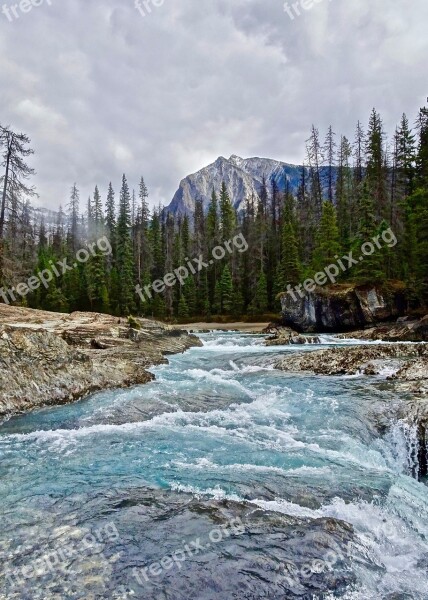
column 224, row 478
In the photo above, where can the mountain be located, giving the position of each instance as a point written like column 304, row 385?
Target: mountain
column 243, row 178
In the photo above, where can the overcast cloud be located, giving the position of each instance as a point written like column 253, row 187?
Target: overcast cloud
column 102, row 90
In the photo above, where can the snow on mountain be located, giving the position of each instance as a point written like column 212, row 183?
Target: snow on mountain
column 242, row 176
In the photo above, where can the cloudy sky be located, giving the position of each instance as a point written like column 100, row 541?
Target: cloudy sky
column 102, row 89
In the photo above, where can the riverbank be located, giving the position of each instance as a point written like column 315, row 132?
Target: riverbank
column 238, row 326
column 51, row 358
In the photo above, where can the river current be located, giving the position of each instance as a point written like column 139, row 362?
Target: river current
column 224, row 478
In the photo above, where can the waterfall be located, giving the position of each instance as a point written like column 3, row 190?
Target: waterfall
column 409, row 447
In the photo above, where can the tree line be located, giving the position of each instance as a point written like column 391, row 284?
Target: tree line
column 349, row 192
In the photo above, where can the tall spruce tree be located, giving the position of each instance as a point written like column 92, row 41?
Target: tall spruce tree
column 126, row 290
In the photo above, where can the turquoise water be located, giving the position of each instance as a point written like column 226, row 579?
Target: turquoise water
column 220, row 428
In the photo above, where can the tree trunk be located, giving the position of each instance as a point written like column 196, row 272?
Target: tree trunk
column 3, row 201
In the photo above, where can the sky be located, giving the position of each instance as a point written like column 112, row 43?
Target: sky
column 103, row 87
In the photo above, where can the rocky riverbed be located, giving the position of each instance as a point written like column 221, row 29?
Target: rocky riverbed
column 51, row 358
column 405, row 361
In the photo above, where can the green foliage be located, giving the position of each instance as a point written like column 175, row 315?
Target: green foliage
column 227, row 215
column 259, row 303
column 327, row 245
column 289, row 268
column 183, row 309
column 133, row 323
column 226, row 291
column 289, row 237
column 125, row 264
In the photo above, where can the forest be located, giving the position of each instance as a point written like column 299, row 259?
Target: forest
column 349, row 192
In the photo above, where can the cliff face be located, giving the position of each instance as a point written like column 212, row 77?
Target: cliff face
column 343, row 308
column 50, row 358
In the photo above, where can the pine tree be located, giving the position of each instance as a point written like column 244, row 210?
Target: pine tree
column 369, row 268
column 183, row 309
column 110, row 219
column 289, row 269
column 126, row 298
column 227, row 215
column 314, row 152
column 329, row 154
column 328, row 239
column 422, row 156
column 97, row 215
column 226, row 291
column 259, row 303
column 375, row 168
column 189, row 292
column 344, row 194
column 73, row 214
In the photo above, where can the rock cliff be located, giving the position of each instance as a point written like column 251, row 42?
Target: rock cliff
column 342, row 308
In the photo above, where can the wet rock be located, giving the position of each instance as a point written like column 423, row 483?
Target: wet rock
column 223, row 550
column 343, row 307
column 357, row 359
column 50, row 358
column 285, row 336
column 404, row 330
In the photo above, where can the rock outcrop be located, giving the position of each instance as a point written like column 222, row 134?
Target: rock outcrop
column 285, row 336
column 50, row 358
column 407, row 361
column 404, row 330
column 343, row 307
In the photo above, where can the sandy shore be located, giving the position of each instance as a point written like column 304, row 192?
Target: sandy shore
column 242, row 327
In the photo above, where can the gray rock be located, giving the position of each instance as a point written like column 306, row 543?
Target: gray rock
column 51, row 358
column 342, row 308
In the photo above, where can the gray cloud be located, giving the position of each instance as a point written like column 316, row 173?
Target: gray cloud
column 102, row 90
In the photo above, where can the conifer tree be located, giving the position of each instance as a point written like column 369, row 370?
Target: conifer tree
column 375, row 167
column 328, row 239
column 73, row 214
column 259, row 303
column 110, row 219
column 126, row 290
column 227, row 214
column 183, row 309
column 289, row 269
column 329, row 154
column 369, row 267
column 226, row 291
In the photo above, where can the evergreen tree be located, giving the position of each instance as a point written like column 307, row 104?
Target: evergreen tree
column 226, row 291
column 369, row 267
column 73, row 214
column 375, row 168
column 289, row 269
column 329, row 154
column 183, row 309
column 328, row 239
column 227, row 214
column 126, row 289
column 259, row 303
